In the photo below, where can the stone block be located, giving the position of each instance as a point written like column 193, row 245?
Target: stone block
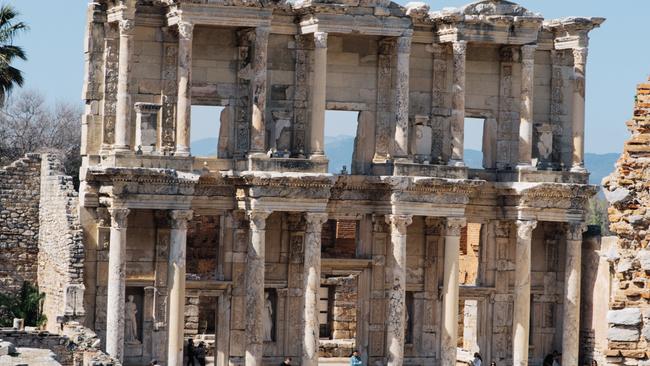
column 7, row 348
column 629, row 316
column 623, row 334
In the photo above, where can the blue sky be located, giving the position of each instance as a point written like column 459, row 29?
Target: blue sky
column 618, row 57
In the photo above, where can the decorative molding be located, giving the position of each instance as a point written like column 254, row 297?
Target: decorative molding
column 454, row 226
column 127, row 27
column 399, row 223
column 119, row 217
column 179, row 218
column 525, row 229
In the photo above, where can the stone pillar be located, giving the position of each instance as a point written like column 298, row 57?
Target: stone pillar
column 578, row 118
column 396, row 319
column 258, row 87
column 176, row 286
column 184, row 103
column 571, row 307
column 116, row 283
column 458, row 105
column 526, row 111
column 521, row 317
column 450, row 291
column 123, row 105
column 319, row 95
column 312, row 262
column 255, row 288
column 402, row 97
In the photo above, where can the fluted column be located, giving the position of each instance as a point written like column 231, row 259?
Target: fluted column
column 526, row 111
column 458, row 104
column 184, row 103
column 258, row 85
column 571, row 307
column 116, row 283
column 521, row 316
column 176, row 285
column 123, row 105
column 255, row 288
column 319, row 95
column 578, row 117
column 396, row 322
column 402, row 97
column 450, row 291
column 311, row 272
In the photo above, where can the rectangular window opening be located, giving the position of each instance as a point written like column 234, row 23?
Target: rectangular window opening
column 474, row 132
column 339, row 239
column 470, row 250
column 340, row 133
column 204, row 130
column 468, row 326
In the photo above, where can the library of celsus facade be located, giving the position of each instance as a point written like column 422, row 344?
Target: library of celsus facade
column 261, row 253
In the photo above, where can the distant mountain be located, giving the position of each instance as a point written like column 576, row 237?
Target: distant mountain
column 339, row 150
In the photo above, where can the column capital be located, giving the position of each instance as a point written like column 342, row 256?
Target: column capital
column 179, row 218
column 459, row 47
column 262, row 31
column 127, row 27
column 574, row 230
column 399, row 222
column 320, row 39
column 404, row 44
column 528, row 52
column 454, row 225
column 258, row 218
column 525, row 229
column 119, row 217
column 315, row 221
column 580, row 56
column 186, row 30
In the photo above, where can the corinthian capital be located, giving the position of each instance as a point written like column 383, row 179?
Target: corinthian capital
column 460, row 47
column 315, row 221
column 185, row 30
column 320, row 39
column 404, row 44
column 258, row 218
column 574, row 230
column 127, row 27
column 528, row 52
column 580, row 56
column 119, row 217
column 179, row 218
column 399, row 222
column 525, row 229
column 454, row 226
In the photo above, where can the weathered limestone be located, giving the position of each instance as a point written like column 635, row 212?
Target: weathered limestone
column 578, row 117
column 255, row 288
column 458, row 104
column 526, row 113
column 184, row 103
column 146, row 125
column 571, row 307
column 116, row 283
column 319, row 91
column 123, row 106
column 521, row 316
column 176, row 285
column 258, row 86
column 450, row 284
column 396, row 317
column 312, row 276
column 402, row 97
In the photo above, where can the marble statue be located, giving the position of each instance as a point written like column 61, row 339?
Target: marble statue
column 131, row 322
column 268, row 319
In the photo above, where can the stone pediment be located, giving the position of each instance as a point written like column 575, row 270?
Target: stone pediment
column 492, row 7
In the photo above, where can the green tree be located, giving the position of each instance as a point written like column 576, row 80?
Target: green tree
column 598, row 215
column 26, row 304
column 10, row 27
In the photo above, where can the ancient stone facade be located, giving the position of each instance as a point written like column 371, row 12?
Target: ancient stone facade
column 275, row 228
column 629, row 315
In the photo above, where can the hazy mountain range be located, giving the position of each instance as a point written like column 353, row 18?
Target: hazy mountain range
column 339, row 150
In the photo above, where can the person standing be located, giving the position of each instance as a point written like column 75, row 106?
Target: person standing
column 200, row 353
column 287, row 361
column 478, row 361
column 190, row 352
column 355, row 359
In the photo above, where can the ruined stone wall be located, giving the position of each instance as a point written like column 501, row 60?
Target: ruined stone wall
column 626, row 190
column 19, row 222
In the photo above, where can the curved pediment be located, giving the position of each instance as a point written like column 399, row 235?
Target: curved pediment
column 496, row 7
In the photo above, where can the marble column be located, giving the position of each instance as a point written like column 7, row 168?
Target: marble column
column 123, row 105
column 396, row 319
column 116, row 283
column 458, row 105
column 521, row 316
column 312, row 265
column 450, row 291
column 255, row 288
column 176, row 285
column 578, row 117
column 184, row 103
column 571, row 307
column 402, row 97
column 319, row 95
column 526, row 110
column 258, row 86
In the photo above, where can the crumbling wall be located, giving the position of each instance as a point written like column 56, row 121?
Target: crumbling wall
column 627, row 191
column 61, row 252
column 19, row 222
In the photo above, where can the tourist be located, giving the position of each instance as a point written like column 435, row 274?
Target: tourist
column 287, row 361
column 557, row 358
column 548, row 360
column 200, row 353
column 493, row 363
column 478, row 361
column 594, row 363
column 154, row 363
column 190, row 352
column 355, row 359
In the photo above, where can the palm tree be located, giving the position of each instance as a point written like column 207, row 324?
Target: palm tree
column 9, row 28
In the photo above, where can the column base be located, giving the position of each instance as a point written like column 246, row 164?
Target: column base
column 526, row 167
column 578, row 168
column 318, row 157
column 121, row 148
column 456, row 163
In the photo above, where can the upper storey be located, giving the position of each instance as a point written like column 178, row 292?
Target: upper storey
column 413, row 77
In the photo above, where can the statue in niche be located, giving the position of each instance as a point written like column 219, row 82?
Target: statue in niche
column 131, row 322
column 268, row 318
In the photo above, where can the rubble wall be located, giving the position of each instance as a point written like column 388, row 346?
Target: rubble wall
column 19, row 223
column 626, row 189
column 61, row 252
